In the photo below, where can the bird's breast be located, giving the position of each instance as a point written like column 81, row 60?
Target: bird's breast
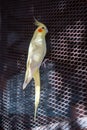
column 38, row 41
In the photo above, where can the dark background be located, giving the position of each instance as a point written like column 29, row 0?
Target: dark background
column 63, row 81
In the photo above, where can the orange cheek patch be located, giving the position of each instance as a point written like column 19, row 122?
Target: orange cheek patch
column 40, row 30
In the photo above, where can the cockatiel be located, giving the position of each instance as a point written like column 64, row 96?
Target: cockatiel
column 36, row 54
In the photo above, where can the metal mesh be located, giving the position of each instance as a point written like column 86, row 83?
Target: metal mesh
column 63, row 101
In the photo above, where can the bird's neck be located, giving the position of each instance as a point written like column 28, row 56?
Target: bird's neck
column 39, row 37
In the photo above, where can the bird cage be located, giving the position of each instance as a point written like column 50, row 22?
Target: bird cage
column 63, row 95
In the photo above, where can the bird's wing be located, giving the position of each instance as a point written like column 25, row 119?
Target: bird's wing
column 28, row 74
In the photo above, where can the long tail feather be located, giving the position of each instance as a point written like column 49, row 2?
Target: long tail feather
column 36, row 77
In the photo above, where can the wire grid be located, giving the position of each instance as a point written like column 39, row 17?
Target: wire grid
column 63, row 101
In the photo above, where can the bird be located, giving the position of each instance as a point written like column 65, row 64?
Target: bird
column 36, row 53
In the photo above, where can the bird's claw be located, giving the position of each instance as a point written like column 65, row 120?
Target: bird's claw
column 44, row 63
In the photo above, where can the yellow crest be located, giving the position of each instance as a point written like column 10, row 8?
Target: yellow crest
column 37, row 23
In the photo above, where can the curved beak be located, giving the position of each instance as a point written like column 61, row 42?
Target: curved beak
column 47, row 30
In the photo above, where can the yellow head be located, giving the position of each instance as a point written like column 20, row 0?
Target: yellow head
column 42, row 29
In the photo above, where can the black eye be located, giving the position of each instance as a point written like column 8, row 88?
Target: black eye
column 43, row 28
